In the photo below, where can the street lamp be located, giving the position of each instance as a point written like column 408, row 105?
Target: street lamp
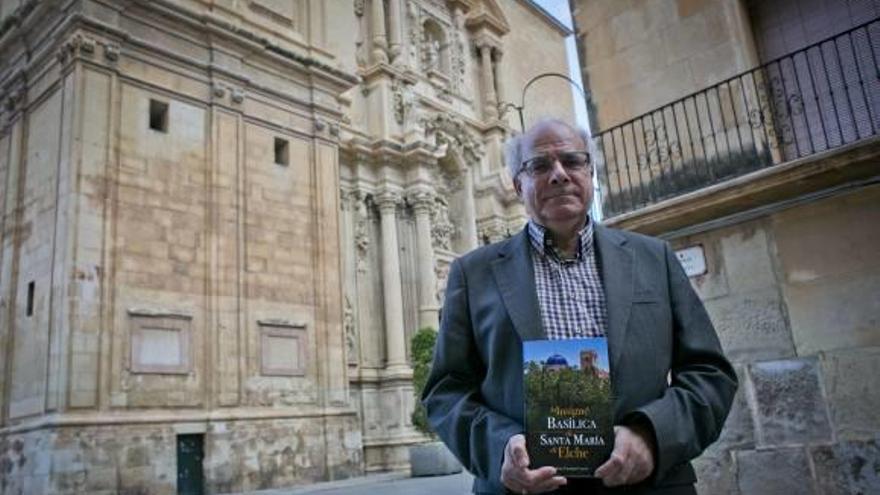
column 519, row 108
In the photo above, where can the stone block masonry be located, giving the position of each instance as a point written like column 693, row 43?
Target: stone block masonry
column 140, row 459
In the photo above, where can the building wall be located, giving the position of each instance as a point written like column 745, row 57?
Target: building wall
column 637, row 56
column 783, row 27
column 791, row 280
column 792, row 296
column 169, row 266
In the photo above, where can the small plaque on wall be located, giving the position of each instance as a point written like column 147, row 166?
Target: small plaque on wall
column 693, row 260
column 283, row 348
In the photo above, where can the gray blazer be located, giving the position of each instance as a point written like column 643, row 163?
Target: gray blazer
column 657, row 327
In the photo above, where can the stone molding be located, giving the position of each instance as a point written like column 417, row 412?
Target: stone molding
column 388, row 200
column 754, row 190
column 76, row 46
column 493, row 229
column 422, row 200
column 451, row 130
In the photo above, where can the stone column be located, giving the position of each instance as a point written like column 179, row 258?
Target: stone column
column 459, row 39
column 499, row 80
column 427, row 283
column 380, row 44
column 395, row 336
column 469, row 214
column 395, row 24
column 490, row 101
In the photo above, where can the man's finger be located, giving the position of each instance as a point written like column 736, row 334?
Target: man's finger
column 611, row 468
column 550, row 484
column 511, row 472
column 625, row 475
column 541, row 480
column 520, row 455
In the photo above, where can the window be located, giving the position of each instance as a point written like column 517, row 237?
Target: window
column 30, row 299
column 282, row 152
column 158, row 116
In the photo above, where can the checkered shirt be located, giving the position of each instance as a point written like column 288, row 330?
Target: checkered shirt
column 570, row 292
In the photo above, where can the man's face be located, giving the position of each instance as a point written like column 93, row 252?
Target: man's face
column 560, row 195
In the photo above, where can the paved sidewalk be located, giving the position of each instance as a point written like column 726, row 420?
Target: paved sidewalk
column 384, row 484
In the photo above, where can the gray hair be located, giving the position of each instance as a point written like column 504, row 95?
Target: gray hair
column 513, row 152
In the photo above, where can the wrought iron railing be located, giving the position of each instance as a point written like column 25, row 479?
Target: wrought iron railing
column 818, row 98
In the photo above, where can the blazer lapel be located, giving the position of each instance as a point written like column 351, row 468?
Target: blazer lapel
column 515, row 276
column 616, row 267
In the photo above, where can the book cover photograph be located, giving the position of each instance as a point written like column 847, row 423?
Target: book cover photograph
column 568, row 404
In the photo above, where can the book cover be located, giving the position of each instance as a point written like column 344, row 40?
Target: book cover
column 568, row 404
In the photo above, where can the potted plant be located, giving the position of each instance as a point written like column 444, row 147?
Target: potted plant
column 431, row 458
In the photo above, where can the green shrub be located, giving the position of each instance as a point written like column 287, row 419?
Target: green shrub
column 422, row 349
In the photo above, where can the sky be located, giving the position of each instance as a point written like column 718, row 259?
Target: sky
column 570, row 349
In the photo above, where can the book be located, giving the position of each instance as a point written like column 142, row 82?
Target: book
column 568, row 404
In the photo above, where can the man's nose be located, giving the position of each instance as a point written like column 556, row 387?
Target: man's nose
column 558, row 173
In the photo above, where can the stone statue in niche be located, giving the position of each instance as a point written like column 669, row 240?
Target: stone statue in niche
column 432, row 54
column 442, row 230
column 360, row 47
column 458, row 66
column 402, row 100
column 441, row 274
column 415, row 31
column 348, row 322
column 362, row 229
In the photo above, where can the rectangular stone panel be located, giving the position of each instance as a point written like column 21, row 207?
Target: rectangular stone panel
column 817, row 321
column 160, row 344
column 790, row 405
column 828, row 253
column 848, row 467
column 774, row 472
column 752, row 325
column 283, row 349
column 716, row 473
column 852, row 391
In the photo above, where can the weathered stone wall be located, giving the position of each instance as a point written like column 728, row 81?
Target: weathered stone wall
column 793, row 296
column 792, row 278
column 160, row 191
column 637, row 56
column 139, row 459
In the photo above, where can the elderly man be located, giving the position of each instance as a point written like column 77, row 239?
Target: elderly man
column 563, row 276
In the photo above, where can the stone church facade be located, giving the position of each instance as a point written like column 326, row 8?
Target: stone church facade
column 222, row 220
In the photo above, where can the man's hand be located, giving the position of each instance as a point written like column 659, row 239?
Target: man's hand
column 632, row 459
column 516, row 475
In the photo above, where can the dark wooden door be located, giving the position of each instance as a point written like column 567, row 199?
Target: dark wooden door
column 190, row 476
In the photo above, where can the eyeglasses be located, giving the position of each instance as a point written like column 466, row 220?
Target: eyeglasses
column 572, row 161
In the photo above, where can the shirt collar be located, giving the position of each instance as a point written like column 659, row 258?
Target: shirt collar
column 543, row 243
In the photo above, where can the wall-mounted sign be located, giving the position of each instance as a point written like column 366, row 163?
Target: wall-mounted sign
column 692, row 260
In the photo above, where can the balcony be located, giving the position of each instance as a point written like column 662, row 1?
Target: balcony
column 799, row 124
